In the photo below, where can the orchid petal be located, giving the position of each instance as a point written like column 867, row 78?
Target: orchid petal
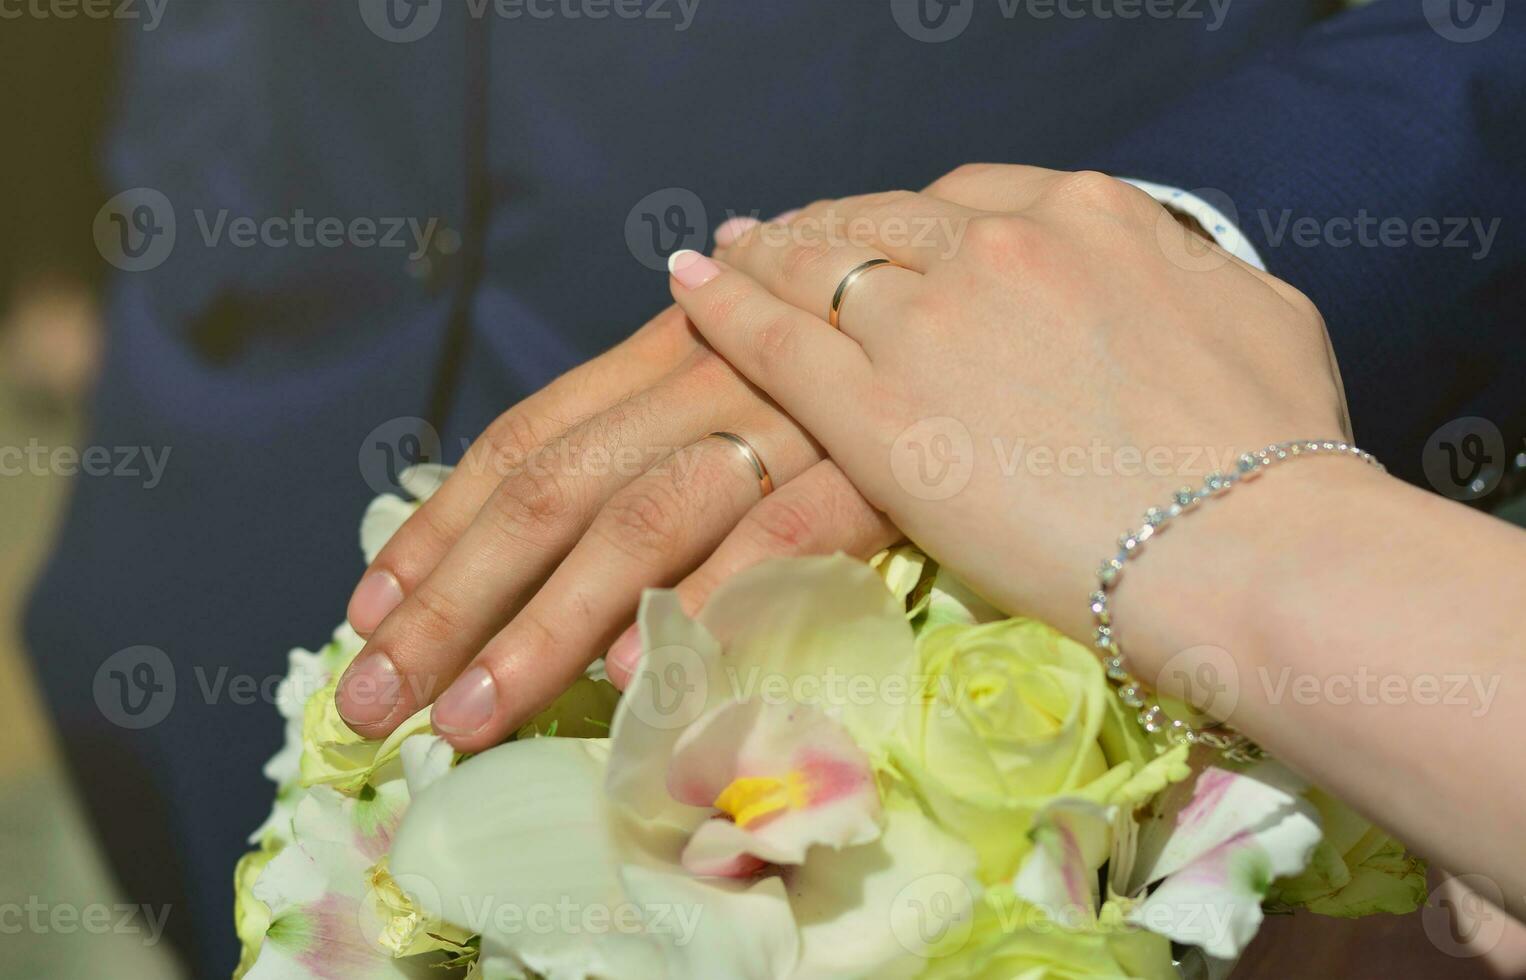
column 800, row 621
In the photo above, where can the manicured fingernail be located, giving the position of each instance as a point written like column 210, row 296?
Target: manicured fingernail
column 468, row 704
column 370, row 690
column 734, row 228
column 692, row 269
column 625, row 653
column 375, row 597
column 786, row 217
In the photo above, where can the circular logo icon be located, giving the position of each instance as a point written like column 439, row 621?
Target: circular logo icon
column 933, row 916
column 135, row 688
column 932, row 21
column 670, row 688
column 665, row 222
column 1465, row 459
column 1465, row 21
column 401, row 21
column 933, row 459
column 1462, row 916
column 1206, row 677
column 135, row 231
column 395, row 446
column 1180, row 239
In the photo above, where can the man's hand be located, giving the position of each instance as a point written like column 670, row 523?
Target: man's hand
column 529, row 562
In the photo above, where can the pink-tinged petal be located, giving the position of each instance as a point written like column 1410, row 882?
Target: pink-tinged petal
column 784, row 777
column 1240, row 832
column 1224, row 805
column 1071, row 841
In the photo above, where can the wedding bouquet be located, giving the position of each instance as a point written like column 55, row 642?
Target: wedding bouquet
column 837, row 769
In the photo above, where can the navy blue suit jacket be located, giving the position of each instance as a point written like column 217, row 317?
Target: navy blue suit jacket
column 563, row 157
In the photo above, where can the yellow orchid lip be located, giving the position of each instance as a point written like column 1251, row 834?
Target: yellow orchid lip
column 749, row 799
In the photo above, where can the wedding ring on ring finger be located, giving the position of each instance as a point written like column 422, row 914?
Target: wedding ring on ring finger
column 750, row 455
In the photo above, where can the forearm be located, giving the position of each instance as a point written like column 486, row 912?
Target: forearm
column 1374, row 636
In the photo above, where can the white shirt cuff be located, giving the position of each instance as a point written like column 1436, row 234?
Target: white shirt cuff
column 1224, row 231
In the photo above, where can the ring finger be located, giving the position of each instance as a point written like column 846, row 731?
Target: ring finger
column 526, row 526
column 650, row 534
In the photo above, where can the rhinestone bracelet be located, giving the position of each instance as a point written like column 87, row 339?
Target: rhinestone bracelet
column 1152, row 717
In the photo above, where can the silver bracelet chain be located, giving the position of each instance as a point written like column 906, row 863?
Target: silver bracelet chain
column 1152, row 717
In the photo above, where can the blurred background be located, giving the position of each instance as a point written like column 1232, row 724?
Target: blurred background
column 57, row 76
column 58, row 83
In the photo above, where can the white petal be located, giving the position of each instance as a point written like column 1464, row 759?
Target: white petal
column 1241, row 831
column 1072, row 838
column 421, row 480
column 863, row 910
column 720, row 929
column 383, row 517
column 824, row 628
column 515, row 844
column 1224, row 805
column 425, row 759
column 671, row 689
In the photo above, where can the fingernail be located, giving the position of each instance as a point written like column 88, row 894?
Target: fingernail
column 734, row 228
column 375, row 597
column 786, row 217
column 625, row 653
column 370, row 690
column 468, row 704
column 692, row 269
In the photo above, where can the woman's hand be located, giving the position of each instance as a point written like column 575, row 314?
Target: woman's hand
column 529, row 561
column 1054, row 356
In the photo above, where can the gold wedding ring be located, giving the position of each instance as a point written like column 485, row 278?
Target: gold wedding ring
column 847, row 282
column 765, row 482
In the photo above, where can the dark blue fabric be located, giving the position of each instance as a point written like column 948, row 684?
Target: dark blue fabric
column 264, row 369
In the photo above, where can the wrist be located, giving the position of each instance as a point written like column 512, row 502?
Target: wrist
column 1223, row 583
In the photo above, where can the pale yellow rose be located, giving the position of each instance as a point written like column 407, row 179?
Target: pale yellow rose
column 1011, row 715
column 251, row 917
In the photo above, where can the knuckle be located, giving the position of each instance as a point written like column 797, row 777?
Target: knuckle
column 433, row 616
column 510, row 439
column 1098, row 191
column 960, row 177
column 802, row 257
column 426, row 534
column 645, row 521
column 1002, row 239
column 784, row 525
column 533, row 497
